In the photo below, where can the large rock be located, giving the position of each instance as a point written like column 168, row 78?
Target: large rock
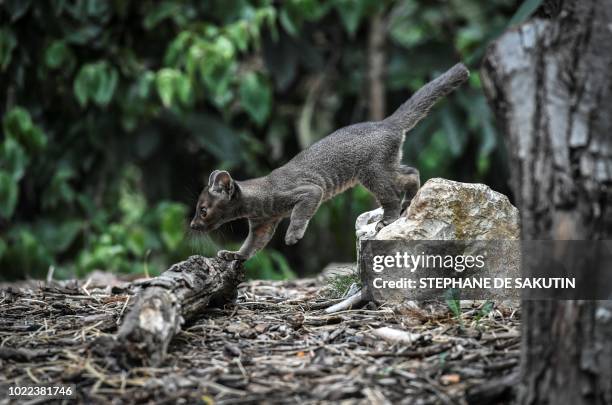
column 449, row 210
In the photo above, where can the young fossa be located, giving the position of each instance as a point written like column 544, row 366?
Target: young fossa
column 368, row 153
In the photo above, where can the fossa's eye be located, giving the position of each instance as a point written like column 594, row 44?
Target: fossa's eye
column 203, row 211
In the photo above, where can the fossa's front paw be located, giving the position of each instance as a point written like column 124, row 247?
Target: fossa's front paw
column 293, row 237
column 230, row 256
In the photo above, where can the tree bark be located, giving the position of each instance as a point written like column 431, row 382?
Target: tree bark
column 550, row 84
column 164, row 303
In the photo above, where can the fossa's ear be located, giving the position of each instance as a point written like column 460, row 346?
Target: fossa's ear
column 221, row 182
column 212, row 177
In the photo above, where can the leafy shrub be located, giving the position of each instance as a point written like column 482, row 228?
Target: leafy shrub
column 114, row 113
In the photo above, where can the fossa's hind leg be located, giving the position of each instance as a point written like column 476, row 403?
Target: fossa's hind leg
column 384, row 185
column 409, row 181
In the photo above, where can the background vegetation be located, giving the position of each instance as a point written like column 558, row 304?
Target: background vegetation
column 115, row 112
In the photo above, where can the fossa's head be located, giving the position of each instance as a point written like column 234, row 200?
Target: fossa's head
column 218, row 202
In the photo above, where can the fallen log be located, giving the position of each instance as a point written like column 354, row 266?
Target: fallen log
column 162, row 304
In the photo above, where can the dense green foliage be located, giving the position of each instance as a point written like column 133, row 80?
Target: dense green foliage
column 114, row 112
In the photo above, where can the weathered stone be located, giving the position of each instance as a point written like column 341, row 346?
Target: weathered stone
column 449, row 211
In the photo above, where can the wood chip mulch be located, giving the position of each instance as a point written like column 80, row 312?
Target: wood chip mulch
column 276, row 345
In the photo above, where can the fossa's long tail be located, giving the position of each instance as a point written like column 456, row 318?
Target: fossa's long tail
column 418, row 106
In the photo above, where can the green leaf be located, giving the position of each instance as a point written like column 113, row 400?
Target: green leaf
column 406, row 35
column 224, row 47
column 169, row 83
column 137, row 241
column 177, row 48
column 57, row 55
column 166, row 10
column 144, row 84
column 260, row 267
column 66, row 234
column 18, row 125
column 468, row 39
column 405, row 27
column 8, row 42
column 8, row 195
column 288, row 24
column 238, row 33
column 256, row 97
column 183, row 89
column 132, row 203
column 435, row 156
column 36, row 139
column 107, row 83
column 58, row 236
column 97, row 9
column 311, row 10
column 486, row 309
column 265, row 15
column 452, row 298
column 351, row 12
column 59, row 191
column 282, row 265
column 218, row 76
column 172, row 224
column 483, row 163
column 96, row 82
column 269, row 265
column 81, row 86
column 14, row 159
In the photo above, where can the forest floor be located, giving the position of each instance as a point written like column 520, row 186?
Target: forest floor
column 275, row 345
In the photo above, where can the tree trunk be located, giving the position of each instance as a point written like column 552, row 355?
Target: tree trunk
column 550, row 84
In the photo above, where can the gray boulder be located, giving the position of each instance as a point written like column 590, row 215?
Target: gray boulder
column 449, row 211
